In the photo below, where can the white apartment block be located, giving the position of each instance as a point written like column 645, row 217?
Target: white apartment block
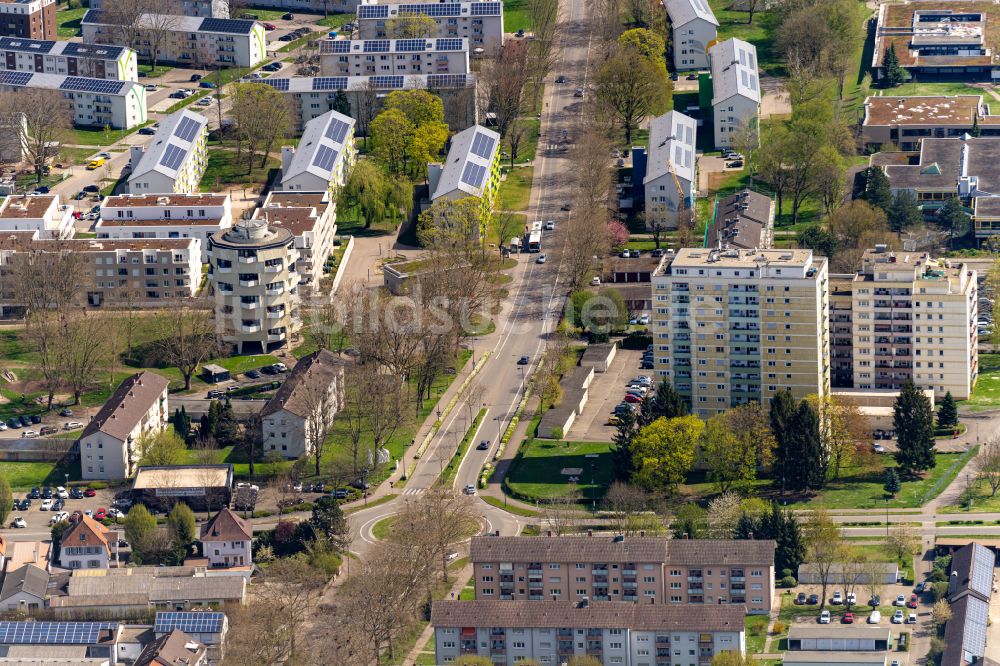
column 198, row 8
column 148, row 216
column 671, row 172
column 613, row 632
column 314, row 6
column 95, row 61
column 133, row 273
column 226, row 540
column 109, row 444
column 735, row 90
column 41, row 213
column 323, row 158
column 471, row 169
column 312, row 219
column 739, row 325
column 694, row 28
column 480, row 22
column 357, row 57
column 174, row 160
column 912, row 318
column 312, row 96
column 194, row 41
column 94, row 102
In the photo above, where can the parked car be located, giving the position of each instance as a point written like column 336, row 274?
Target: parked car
column 735, row 164
column 824, row 617
column 195, row 77
column 919, row 588
column 62, row 493
column 851, row 599
column 800, row 599
column 25, row 504
column 900, row 601
column 101, row 514
column 286, row 38
column 878, row 448
column 72, row 425
column 115, row 514
column 75, row 493
column 3, row 426
column 280, row 367
column 215, row 394
column 145, row 131
column 341, row 493
column 91, row 188
column 35, row 418
column 286, row 16
column 269, row 26
column 550, row 225
column 206, row 84
column 46, row 505
column 911, row 618
column 914, row 601
column 897, row 617
column 34, row 494
column 838, row 598
column 19, row 522
column 631, row 397
column 875, row 617
column 595, row 281
column 41, row 189
column 29, row 433
column 66, row 411
column 13, row 422
column 875, row 601
column 89, row 492
column 848, row 618
column 252, row 374
column 47, row 430
column 25, row 421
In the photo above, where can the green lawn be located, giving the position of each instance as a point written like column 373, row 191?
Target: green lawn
column 510, row 508
column 225, row 169
column 930, row 88
column 383, row 528
column 537, row 472
column 98, row 137
column 515, row 190
column 734, row 24
column 25, row 475
column 756, row 631
column 529, row 145
column 69, row 22
column 987, row 392
column 147, row 69
column 334, row 20
column 516, row 16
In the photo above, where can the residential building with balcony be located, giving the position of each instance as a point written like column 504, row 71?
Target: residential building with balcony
column 312, row 96
column 551, row 632
column 253, row 273
column 472, row 169
column 694, row 28
column 312, row 219
column 637, row 569
column 735, row 91
column 31, row 19
column 41, row 213
column 307, row 402
column 323, row 158
column 132, row 273
column 733, row 326
column 359, row 57
column 671, row 179
column 910, row 317
column 84, row 545
column 189, row 40
column 96, row 61
column 165, row 216
column 174, row 160
column 225, row 540
column 109, row 442
column 479, row 22
column 199, row 8
column 93, row 102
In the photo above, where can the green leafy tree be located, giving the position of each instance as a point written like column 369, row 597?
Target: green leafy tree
column 341, row 104
column 162, row 448
column 663, row 452
column 182, row 423
column 390, row 133
column 691, row 522
column 904, row 212
column 913, row 420
column 621, row 453
column 6, row 500
column 781, row 413
column 646, row 43
column 783, row 527
column 139, row 526
column 227, row 429
column 182, row 525
column 631, row 88
column 733, row 658
column 953, row 217
column 667, row 402
column 891, row 484
column 330, row 523
column 877, row 191
column 947, row 412
column 894, row 74
column 975, row 131
column 57, row 532
column 808, row 458
column 730, row 463
column 818, row 239
column 449, row 222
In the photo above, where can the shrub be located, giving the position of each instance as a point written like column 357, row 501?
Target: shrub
column 789, row 581
column 99, row 485
column 779, row 628
column 785, row 573
column 73, row 4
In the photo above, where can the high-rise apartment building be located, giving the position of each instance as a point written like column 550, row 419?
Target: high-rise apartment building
column 903, row 316
column 733, row 326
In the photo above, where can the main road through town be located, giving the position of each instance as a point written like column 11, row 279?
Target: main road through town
column 532, row 308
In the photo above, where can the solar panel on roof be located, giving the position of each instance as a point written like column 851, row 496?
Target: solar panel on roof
column 325, row 158
column 376, row 46
column 337, row 130
column 482, row 145
column 448, row 44
column 330, row 83
column 446, row 80
column 53, row 633
column 982, row 569
column 386, row 81
column 411, row 44
column 277, row 84
column 196, row 622
column 485, row 9
column 234, row 26
column 337, row 46
column 14, row 78
column 187, row 129
column 373, row 11
column 473, row 174
column 440, row 9
column 173, row 156
column 100, row 86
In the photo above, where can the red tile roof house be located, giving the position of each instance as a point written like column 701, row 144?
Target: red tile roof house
column 85, row 546
column 226, row 540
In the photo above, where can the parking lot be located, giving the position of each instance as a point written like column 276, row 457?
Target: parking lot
column 37, row 520
column 606, row 390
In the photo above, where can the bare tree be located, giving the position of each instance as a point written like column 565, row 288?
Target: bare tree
column 437, row 520
column 294, row 586
column 258, row 633
column 261, row 116
column 42, row 330
column 873, row 578
column 593, row 176
column 47, row 280
column 723, row 514
column 517, row 133
column 367, row 108
column 824, row 547
column 84, row 350
column 128, row 19
column 188, row 338
column 988, row 464
column 501, row 86
column 560, row 514
column 40, row 121
column 321, row 399
column 902, row 541
column 159, row 24
column 506, row 226
column 855, row 566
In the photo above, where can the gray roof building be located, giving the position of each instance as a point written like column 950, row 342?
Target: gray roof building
column 321, row 150
column 172, row 146
column 962, row 164
column 734, row 71
column 129, row 403
column 672, row 139
column 27, row 579
column 685, row 11
column 467, row 167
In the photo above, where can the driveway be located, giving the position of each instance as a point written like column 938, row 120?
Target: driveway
column 606, row 391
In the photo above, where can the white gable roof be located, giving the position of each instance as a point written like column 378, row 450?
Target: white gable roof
column 672, row 139
column 171, row 147
column 321, row 149
column 734, row 70
column 685, row 11
column 461, row 154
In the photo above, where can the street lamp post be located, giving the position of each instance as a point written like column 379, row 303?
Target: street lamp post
column 886, row 517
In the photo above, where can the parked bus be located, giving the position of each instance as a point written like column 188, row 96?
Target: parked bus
column 535, row 241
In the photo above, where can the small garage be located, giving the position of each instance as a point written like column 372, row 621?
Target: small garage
column 213, row 374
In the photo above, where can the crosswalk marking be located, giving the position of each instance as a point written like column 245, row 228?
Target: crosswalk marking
column 413, row 491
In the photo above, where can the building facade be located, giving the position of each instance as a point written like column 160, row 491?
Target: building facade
column 226, row 539
column 31, row 19
column 323, row 158
column 165, row 216
column 41, row 213
column 252, row 270
column 911, row 317
column 312, row 219
column 93, row 102
column 743, row 220
column 472, row 169
column 96, row 61
column 174, row 160
column 906, row 121
column 313, row 393
column 645, row 570
column 550, row 632
column 479, row 22
column 739, row 325
column 694, row 28
column 360, row 57
column 109, row 444
column 84, row 545
column 671, row 179
column 189, row 40
column 199, row 8
column 735, row 91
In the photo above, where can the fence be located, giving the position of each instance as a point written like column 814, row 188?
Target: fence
column 341, row 266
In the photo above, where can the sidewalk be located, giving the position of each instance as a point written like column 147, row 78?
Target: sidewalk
column 461, row 578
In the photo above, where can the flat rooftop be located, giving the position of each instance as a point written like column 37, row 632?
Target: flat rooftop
column 922, row 110
column 132, row 200
column 213, row 222
column 296, row 220
column 22, row 242
column 899, row 28
column 316, row 199
column 25, row 207
column 741, row 258
column 184, row 476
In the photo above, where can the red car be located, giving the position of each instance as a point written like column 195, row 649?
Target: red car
column 848, row 618
column 913, row 602
column 101, row 514
column 89, row 492
column 269, row 26
column 632, row 398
